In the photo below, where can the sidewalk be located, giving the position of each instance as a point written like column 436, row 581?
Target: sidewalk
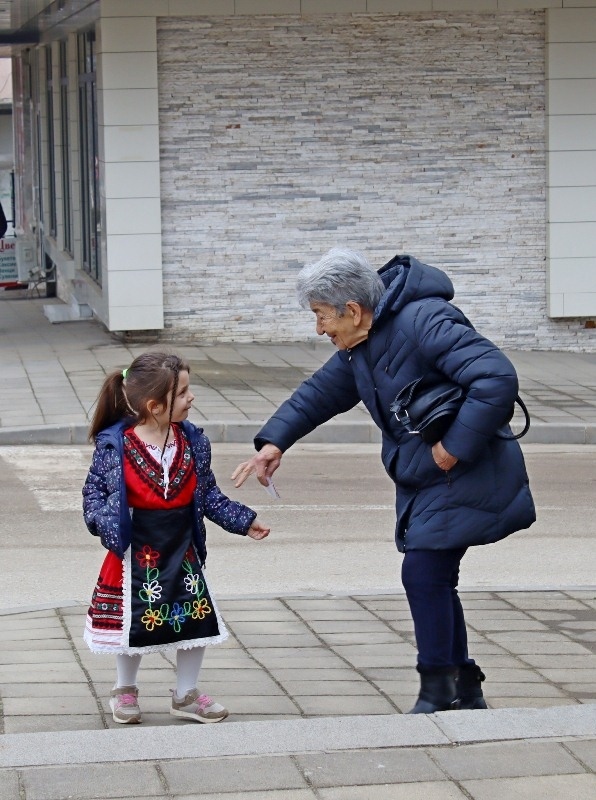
column 316, row 685
column 52, row 373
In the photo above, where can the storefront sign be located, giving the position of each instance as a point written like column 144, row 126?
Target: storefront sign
column 8, row 262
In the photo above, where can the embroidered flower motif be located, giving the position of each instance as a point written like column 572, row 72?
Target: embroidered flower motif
column 192, row 583
column 150, row 592
column 147, row 557
column 201, row 608
column 151, row 618
column 177, row 618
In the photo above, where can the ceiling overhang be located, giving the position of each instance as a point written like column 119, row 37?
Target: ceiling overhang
column 24, row 23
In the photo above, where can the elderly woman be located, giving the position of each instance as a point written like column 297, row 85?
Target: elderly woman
column 470, row 488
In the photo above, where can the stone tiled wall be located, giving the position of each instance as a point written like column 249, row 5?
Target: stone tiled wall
column 284, row 136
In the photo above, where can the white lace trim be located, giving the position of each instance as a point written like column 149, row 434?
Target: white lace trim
column 185, row 644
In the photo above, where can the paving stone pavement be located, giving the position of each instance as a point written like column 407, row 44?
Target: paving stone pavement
column 299, row 657
column 317, row 685
column 52, row 373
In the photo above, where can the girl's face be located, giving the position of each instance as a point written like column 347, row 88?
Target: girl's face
column 183, row 400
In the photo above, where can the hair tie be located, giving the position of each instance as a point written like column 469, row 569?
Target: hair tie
column 124, row 373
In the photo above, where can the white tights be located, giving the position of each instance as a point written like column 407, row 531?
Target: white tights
column 188, row 666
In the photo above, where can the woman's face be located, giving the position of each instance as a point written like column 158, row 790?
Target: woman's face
column 345, row 331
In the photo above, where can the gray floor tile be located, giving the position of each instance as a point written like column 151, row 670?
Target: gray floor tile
column 314, row 706
column 41, row 724
column 274, row 794
column 268, row 627
column 342, row 673
column 129, row 780
column 368, row 767
column 326, row 688
column 232, row 775
column 270, row 706
column 525, row 689
column 545, row 661
column 585, row 751
column 9, row 784
column 296, row 640
column 33, row 673
column 44, row 656
column 53, row 705
column 349, row 626
column 398, row 791
column 553, row 787
column 42, row 690
column 48, row 646
column 505, row 760
column 530, row 702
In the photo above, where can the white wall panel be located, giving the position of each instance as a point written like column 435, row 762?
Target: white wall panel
column 572, row 168
column 572, row 24
column 125, row 251
column 571, row 60
column 129, row 71
column 572, row 204
column 574, row 275
column 572, row 96
column 127, row 34
column 135, row 318
column 129, row 151
column 572, row 240
column 571, row 193
column 571, row 132
column 123, row 143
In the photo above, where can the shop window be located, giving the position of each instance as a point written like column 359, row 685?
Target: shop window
column 51, row 159
column 65, row 147
column 91, row 220
column 34, row 82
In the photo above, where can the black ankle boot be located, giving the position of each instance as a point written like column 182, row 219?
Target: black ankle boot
column 437, row 690
column 469, row 687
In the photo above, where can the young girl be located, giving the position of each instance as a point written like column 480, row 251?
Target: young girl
column 149, row 486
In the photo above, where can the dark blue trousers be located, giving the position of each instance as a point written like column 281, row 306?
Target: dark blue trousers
column 430, row 578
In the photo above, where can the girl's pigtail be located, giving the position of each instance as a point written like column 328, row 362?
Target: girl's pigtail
column 111, row 405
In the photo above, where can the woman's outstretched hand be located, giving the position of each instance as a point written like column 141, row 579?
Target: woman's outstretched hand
column 257, row 530
column 263, row 464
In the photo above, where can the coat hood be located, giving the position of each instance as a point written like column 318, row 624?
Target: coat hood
column 111, row 435
column 408, row 279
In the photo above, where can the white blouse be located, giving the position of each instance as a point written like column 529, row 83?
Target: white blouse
column 164, row 459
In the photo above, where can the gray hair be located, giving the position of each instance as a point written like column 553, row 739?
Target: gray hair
column 339, row 277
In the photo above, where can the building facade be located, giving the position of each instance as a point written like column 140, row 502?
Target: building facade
column 178, row 161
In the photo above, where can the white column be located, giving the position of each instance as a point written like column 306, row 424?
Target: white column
column 571, row 161
column 129, row 154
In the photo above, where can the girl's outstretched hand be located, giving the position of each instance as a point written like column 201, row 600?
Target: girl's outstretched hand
column 257, row 530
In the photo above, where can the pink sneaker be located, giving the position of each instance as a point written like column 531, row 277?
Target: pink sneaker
column 124, row 705
column 198, row 707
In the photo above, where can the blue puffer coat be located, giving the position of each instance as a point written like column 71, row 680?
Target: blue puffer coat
column 106, row 509
column 415, row 329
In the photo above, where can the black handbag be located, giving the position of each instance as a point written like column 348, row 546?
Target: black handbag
column 427, row 407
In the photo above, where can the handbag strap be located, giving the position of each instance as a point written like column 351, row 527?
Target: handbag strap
column 526, row 427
